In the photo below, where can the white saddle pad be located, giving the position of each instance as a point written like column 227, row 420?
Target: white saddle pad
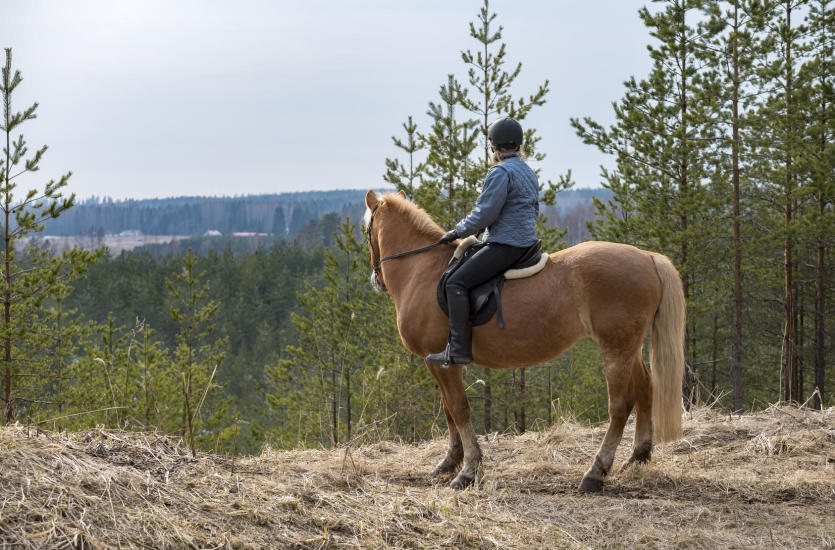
column 510, row 273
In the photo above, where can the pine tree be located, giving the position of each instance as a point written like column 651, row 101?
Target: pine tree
column 733, row 45
column 662, row 197
column 197, row 356
column 404, row 178
column 315, row 381
column 27, row 279
column 65, row 333
column 449, row 189
column 458, row 157
column 488, row 97
column 63, row 348
column 348, row 366
column 818, row 91
column 299, row 216
column 94, row 395
column 158, row 400
column 776, row 123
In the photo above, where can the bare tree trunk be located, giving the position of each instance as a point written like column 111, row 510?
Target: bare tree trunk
column 713, row 358
column 189, row 425
column 147, row 381
column 522, row 390
column 789, row 330
column 789, row 342
column 488, row 402
column 684, row 183
column 736, row 237
column 7, row 291
column 820, row 279
column 550, row 395
column 798, row 355
column 334, row 409
column 59, row 363
column 820, row 315
column 348, row 400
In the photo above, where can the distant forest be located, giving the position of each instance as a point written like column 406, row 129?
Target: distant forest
column 280, row 214
column 283, row 214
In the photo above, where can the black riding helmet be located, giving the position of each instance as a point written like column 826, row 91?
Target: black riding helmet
column 506, row 133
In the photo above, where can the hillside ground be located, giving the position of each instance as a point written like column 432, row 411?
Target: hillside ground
column 762, row 480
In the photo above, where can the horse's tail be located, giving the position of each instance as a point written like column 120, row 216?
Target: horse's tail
column 667, row 353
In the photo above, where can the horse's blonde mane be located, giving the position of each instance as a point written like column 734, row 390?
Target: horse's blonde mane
column 414, row 215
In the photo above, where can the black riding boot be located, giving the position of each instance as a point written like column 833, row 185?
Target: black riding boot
column 459, row 349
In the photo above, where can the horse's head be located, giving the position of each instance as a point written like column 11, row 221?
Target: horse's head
column 394, row 225
column 373, row 204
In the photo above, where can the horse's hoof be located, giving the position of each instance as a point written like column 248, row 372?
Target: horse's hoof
column 449, row 465
column 590, row 485
column 641, row 455
column 442, row 469
column 461, row 482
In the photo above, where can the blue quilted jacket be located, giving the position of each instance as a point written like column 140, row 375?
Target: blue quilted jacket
column 507, row 207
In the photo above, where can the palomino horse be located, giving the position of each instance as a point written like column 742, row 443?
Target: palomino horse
column 611, row 293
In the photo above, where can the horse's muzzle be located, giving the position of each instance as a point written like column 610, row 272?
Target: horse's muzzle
column 376, row 284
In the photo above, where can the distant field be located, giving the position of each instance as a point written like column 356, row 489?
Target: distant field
column 762, row 480
column 115, row 243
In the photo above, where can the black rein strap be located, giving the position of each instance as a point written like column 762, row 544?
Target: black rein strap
column 399, row 254
column 409, row 252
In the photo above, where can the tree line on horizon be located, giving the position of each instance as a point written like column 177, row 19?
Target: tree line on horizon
column 281, row 215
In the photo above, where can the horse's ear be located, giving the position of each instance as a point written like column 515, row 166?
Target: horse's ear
column 371, row 200
column 402, row 193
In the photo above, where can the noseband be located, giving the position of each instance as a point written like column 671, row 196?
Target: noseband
column 378, row 272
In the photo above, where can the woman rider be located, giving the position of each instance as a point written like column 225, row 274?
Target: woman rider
column 507, row 208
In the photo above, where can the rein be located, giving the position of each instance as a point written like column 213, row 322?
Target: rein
column 379, row 262
column 408, row 253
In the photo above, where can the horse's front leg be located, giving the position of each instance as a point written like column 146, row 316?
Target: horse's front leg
column 455, row 450
column 457, row 409
column 472, row 453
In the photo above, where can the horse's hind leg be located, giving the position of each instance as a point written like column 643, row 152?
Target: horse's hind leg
column 621, row 401
column 642, row 390
column 457, row 407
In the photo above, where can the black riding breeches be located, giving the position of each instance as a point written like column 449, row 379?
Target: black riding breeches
column 492, row 259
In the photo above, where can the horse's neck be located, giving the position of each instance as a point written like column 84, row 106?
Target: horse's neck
column 416, row 277
column 412, row 275
column 402, row 238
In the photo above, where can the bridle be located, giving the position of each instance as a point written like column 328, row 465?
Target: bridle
column 377, row 265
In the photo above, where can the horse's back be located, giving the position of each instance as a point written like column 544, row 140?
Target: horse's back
column 617, row 284
column 591, row 256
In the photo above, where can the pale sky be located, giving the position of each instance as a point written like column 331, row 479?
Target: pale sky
column 155, row 98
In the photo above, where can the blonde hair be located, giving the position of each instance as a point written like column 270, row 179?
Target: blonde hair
column 501, row 155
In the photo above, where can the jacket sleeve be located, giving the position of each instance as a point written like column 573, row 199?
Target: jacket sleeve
column 489, row 204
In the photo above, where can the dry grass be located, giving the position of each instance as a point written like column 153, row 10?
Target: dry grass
column 764, row 480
